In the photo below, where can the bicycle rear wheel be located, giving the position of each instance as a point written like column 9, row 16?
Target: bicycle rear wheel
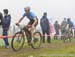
column 70, row 36
column 17, row 41
column 36, row 40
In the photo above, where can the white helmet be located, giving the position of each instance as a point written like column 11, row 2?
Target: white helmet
column 27, row 8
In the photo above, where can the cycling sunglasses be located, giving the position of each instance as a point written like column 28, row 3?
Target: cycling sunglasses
column 27, row 10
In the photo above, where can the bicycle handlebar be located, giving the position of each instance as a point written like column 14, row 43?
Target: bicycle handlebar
column 21, row 27
column 17, row 24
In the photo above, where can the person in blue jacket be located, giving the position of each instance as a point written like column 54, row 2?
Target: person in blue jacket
column 5, row 25
column 44, row 22
column 70, row 23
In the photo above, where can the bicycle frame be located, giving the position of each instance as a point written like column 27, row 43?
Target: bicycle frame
column 26, row 31
column 32, row 41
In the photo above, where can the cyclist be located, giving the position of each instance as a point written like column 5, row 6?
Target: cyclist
column 70, row 23
column 70, row 26
column 33, row 21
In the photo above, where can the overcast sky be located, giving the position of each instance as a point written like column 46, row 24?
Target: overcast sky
column 56, row 9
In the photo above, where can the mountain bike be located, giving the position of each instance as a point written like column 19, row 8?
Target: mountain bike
column 18, row 39
column 68, row 35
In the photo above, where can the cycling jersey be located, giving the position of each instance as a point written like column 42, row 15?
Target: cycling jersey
column 70, row 23
column 30, row 16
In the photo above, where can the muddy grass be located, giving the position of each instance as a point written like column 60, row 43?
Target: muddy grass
column 46, row 50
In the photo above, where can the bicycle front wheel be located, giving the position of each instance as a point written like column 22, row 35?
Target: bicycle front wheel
column 17, row 41
column 36, row 40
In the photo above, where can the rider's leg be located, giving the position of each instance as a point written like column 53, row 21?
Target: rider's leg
column 28, row 34
column 32, row 31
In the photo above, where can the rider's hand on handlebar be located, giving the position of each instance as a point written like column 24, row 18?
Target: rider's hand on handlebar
column 17, row 24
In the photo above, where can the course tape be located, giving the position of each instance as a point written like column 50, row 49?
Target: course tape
column 17, row 36
column 6, row 36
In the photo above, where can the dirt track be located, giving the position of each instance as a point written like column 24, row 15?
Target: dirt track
column 8, row 52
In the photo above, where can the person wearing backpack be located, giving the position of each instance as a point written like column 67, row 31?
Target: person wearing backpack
column 5, row 25
column 44, row 22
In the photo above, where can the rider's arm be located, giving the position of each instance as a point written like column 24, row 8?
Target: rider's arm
column 35, row 21
column 22, row 18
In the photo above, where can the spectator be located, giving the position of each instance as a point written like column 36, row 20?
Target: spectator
column 63, row 27
column 5, row 26
column 52, row 28
column 74, row 31
column 45, row 27
column 1, row 18
column 57, row 27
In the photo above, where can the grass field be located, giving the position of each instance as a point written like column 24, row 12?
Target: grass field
column 56, row 49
